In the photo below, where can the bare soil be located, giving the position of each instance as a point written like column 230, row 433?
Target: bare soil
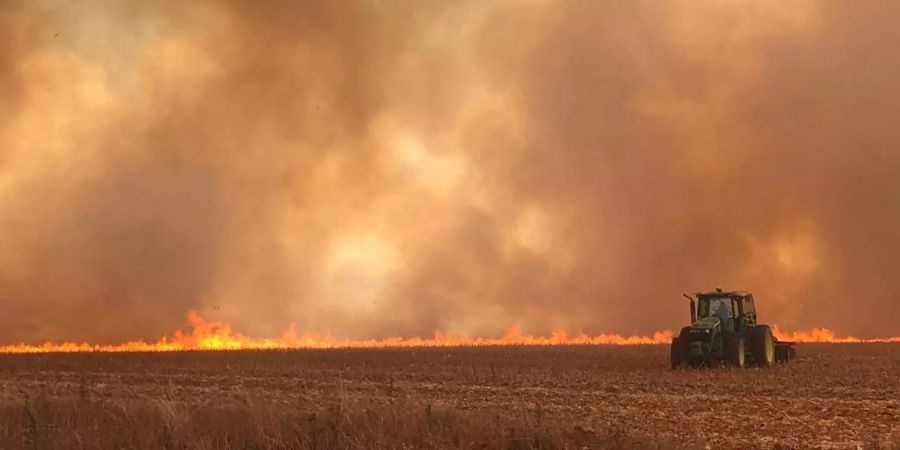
column 833, row 396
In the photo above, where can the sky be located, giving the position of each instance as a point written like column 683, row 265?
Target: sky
column 391, row 168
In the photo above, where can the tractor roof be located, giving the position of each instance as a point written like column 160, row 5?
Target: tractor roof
column 721, row 293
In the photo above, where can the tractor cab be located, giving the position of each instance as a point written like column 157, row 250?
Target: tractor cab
column 735, row 310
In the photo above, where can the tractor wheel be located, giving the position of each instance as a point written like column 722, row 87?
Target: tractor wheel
column 736, row 352
column 762, row 345
column 678, row 352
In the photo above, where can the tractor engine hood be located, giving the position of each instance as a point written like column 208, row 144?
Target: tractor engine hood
column 706, row 323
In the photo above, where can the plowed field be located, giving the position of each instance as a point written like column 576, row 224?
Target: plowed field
column 833, row 396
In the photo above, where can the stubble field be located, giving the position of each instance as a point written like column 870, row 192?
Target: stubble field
column 834, row 396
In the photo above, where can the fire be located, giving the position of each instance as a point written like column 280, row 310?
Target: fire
column 825, row 335
column 214, row 335
column 207, row 335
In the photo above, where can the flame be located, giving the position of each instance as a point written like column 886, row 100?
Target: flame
column 825, row 335
column 214, row 335
column 208, row 335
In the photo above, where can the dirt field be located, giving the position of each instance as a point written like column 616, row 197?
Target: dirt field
column 834, row 396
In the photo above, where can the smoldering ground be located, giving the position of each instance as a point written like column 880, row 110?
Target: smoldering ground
column 394, row 168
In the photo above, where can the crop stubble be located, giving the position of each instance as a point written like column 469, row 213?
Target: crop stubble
column 835, row 396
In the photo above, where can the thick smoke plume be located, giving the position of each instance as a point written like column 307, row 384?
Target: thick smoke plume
column 393, row 168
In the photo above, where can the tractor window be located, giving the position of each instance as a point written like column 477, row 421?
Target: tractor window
column 710, row 307
column 748, row 305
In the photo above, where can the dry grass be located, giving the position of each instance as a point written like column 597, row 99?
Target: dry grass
column 248, row 423
column 836, row 396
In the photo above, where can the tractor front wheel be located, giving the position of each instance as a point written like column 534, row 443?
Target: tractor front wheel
column 762, row 345
column 736, row 352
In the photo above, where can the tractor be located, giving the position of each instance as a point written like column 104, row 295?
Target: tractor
column 724, row 328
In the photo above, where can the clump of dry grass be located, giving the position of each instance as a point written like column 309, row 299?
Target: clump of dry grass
column 38, row 421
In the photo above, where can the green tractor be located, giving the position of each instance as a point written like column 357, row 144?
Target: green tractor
column 724, row 328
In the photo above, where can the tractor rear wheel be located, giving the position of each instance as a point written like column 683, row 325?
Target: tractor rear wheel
column 736, row 352
column 678, row 352
column 762, row 345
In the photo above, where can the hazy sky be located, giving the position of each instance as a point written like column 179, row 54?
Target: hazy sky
column 379, row 168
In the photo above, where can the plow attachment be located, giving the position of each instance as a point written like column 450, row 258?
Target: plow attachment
column 784, row 351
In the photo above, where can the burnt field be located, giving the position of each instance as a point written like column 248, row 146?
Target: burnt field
column 834, row 396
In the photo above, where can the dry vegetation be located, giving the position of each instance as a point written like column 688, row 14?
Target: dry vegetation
column 835, row 396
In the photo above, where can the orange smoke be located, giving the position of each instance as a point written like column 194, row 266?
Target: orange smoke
column 207, row 335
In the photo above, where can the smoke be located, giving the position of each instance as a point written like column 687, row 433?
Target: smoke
column 381, row 168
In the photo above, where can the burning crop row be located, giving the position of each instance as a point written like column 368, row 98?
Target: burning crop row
column 208, row 335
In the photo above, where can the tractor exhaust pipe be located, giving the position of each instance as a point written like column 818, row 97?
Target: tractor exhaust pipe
column 693, row 307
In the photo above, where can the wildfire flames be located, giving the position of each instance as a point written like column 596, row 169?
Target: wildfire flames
column 825, row 335
column 208, row 335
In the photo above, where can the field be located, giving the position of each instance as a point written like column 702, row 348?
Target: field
column 834, row 396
